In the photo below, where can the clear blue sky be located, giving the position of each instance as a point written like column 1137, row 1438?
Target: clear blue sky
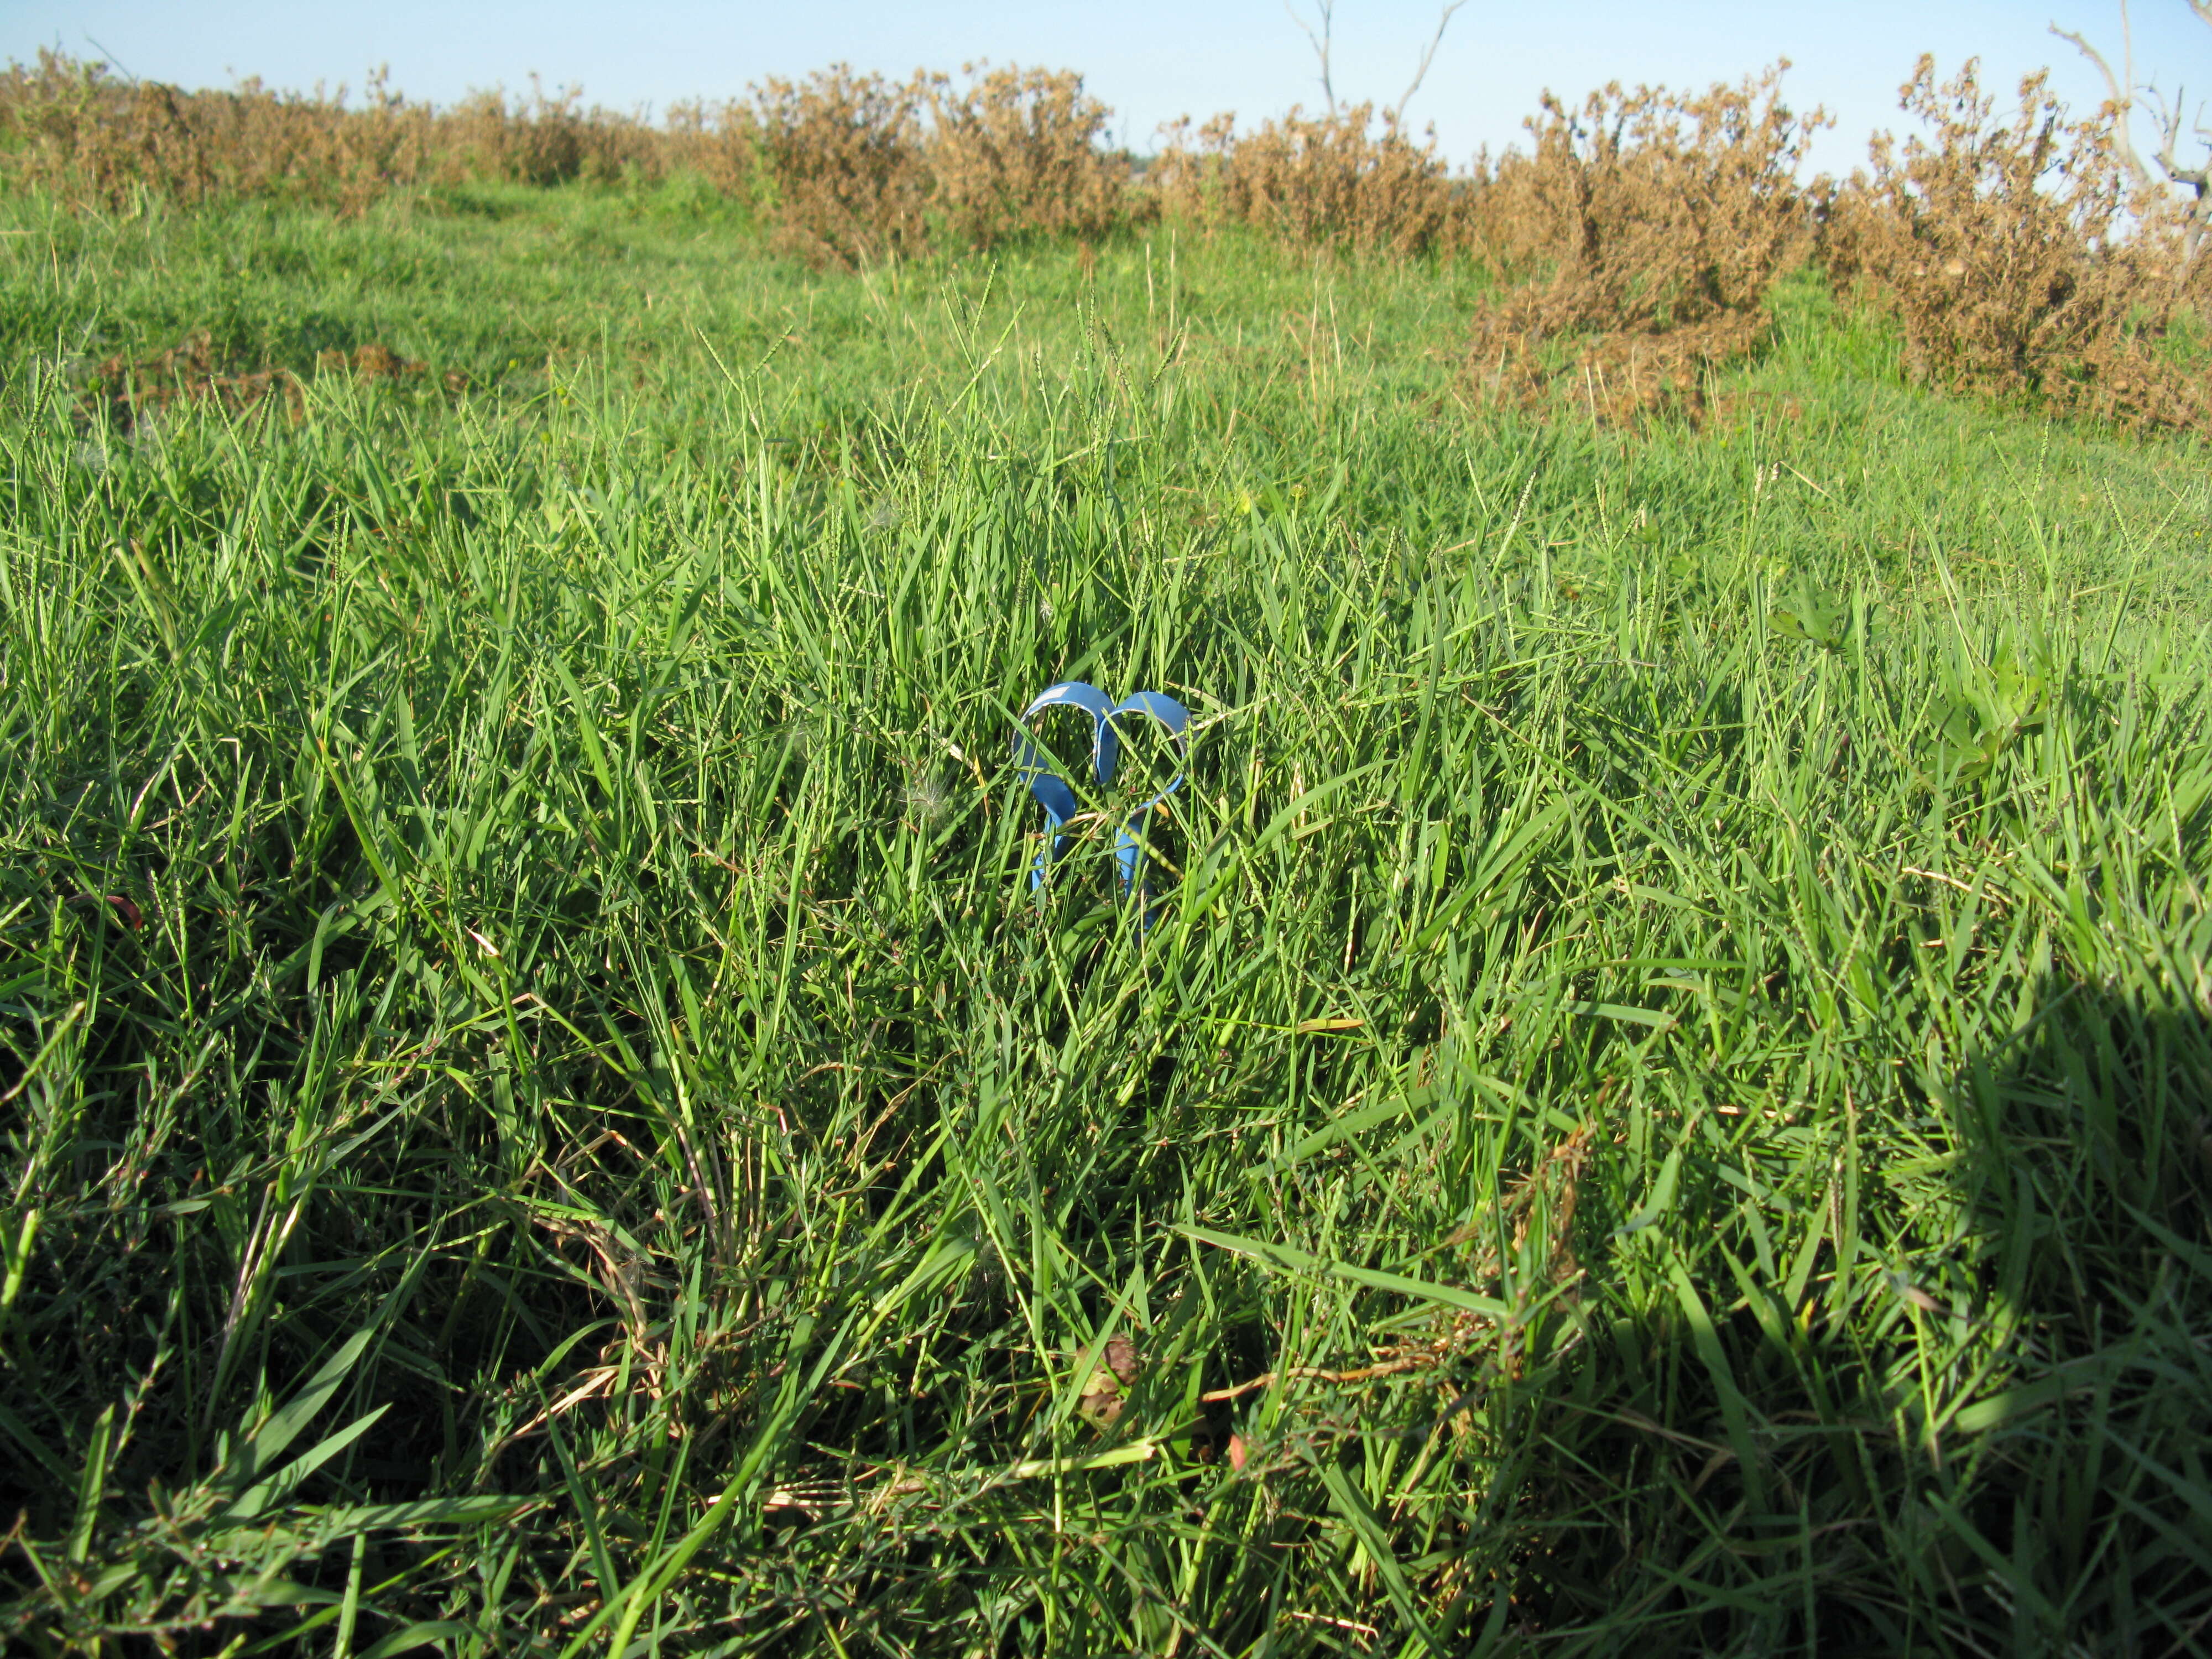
column 1149, row 59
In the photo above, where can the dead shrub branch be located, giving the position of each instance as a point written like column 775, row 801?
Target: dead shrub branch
column 1343, row 179
column 1650, row 227
column 2021, row 256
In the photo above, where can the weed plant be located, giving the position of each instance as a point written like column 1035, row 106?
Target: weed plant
column 1020, row 153
column 2019, row 257
column 1656, row 225
column 1638, row 242
column 74, row 131
column 1662, row 1105
column 1346, row 180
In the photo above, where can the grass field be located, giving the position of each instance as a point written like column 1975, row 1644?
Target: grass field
column 1662, row 1107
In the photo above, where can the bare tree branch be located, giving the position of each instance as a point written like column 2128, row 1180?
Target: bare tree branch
column 2127, row 94
column 2169, row 117
column 2200, row 178
column 1321, row 42
column 1322, row 39
column 1429, row 57
column 2122, row 99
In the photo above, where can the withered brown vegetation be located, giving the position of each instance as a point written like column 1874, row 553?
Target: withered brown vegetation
column 2018, row 257
column 1019, row 152
column 719, row 141
column 546, row 138
column 90, row 140
column 844, row 153
column 1346, row 181
column 860, row 167
column 1648, row 228
column 125, row 394
column 1637, row 242
column 77, row 132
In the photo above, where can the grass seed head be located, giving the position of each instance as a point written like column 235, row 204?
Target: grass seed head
column 929, row 797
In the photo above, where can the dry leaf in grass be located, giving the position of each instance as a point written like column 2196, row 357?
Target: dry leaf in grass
column 1101, row 1403
column 124, row 909
column 1121, row 1358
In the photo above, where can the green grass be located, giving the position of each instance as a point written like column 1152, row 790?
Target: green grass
column 1677, row 1037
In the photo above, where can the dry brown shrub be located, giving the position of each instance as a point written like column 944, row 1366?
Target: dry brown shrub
column 719, row 142
column 311, row 148
column 1019, row 152
column 91, row 140
column 845, row 154
column 546, row 139
column 2017, row 257
column 856, row 175
column 845, row 161
column 1340, row 180
column 75, row 131
column 1652, row 226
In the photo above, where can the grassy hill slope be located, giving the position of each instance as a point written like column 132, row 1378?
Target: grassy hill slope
column 1662, row 1102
